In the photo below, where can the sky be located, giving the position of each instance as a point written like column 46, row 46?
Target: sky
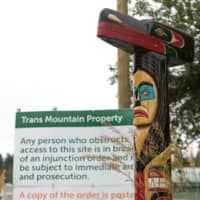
column 51, row 57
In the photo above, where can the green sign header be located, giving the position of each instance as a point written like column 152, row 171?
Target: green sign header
column 74, row 118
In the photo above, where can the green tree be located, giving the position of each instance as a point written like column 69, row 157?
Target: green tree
column 184, row 81
column 8, row 165
column 197, row 158
column 1, row 163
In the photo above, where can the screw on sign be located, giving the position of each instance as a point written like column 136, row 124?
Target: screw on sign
column 155, row 47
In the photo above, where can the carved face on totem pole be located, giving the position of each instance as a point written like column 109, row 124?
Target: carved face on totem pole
column 150, row 107
column 146, row 99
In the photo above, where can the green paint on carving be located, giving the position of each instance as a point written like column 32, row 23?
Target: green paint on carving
column 171, row 51
column 161, row 33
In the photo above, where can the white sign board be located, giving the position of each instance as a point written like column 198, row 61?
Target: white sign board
column 74, row 155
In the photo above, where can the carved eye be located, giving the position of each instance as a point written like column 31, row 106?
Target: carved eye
column 146, row 92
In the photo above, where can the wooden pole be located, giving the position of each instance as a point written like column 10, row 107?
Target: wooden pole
column 155, row 49
column 152, row 136
column 124, row 92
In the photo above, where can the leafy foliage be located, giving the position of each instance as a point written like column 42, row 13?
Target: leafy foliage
column 7, row 165
column 1, row 163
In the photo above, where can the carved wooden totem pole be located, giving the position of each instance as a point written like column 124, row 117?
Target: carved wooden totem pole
column 155, row 47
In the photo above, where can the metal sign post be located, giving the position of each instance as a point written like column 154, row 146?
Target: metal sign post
column 155, row 47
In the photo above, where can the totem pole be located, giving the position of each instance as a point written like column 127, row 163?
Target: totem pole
column 155, row 47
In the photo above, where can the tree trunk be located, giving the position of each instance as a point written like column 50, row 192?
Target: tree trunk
column 124, row 92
